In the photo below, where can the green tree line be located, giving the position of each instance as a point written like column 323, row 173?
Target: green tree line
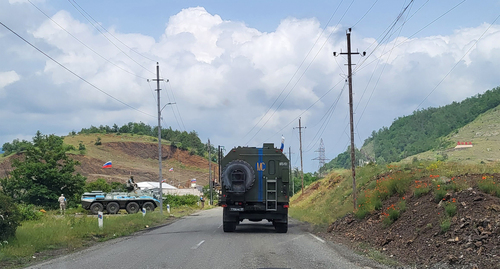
column 180, row 139
column 422, row 131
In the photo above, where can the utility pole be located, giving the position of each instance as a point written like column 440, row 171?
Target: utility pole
column 290, row 168
column 159, row 134
column 210, row 185
column 351, row 118
column 301, row 163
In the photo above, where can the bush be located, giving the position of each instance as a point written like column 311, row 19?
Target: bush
column 176, row 200
column 99, row 185
column 10, row 218
column 488, row 185
column 29, row 212
column 445, row 225
column 450, row 209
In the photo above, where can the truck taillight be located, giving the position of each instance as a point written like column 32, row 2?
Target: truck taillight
column 286, row 206
column 224, row 205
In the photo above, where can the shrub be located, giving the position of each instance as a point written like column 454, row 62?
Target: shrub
column 445, row 225
column 450, row 209
column 176, row 200
column 29, row 212
column 439, row 193
column 421, row 191
column 361, row 212
column 81, row 146
column 488, row 185
column 99, row 185
column 10, row 218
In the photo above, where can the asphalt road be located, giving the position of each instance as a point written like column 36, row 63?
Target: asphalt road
column 197, row 241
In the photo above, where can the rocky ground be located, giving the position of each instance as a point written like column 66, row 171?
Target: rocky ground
column 416, row 239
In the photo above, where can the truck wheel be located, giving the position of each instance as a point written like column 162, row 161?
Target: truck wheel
column 95, row 208
column 112, row 208
column 148, row 206
column 132, row 208
column 229, row 227
column 281, row 227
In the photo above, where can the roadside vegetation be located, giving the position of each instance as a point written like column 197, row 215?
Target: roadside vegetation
column 331, row 198
column 51, row 233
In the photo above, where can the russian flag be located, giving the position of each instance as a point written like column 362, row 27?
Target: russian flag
column 171, row 169
column 107, row 165
column 282, row 143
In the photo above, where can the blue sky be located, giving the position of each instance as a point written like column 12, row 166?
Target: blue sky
column 241, row 72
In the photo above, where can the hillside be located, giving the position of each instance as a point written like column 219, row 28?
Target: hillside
column 483, row 132
column 420, row 188
column 135, row 155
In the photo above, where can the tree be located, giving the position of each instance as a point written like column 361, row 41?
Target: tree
column 10, row 217
column 99, row 185
column 45, row 173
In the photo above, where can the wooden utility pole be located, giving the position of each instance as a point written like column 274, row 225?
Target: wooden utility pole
column 290, row 168
column 301, row 163
column 159, row 134
column 351, row 113
column 210, row 185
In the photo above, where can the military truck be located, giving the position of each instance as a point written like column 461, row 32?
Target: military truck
column 132, row 202
column 255, row 186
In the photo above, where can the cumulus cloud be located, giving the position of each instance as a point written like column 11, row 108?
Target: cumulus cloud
column 229, row 80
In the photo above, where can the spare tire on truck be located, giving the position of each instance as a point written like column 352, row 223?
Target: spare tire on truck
column 238, row 176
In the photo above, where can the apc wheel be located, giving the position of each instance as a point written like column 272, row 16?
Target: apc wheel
column 148, row 206
column 112, row 208
column 229, row 227
column 95, row 208
column 132, row 208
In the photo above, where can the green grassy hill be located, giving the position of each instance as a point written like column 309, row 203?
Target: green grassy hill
column 483, row 132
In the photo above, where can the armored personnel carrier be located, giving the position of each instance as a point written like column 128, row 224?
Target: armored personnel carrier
column 255, row 186
column 97, row 201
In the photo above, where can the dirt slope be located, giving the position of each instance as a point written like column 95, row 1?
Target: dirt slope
column 137, row 156
column 416, row 239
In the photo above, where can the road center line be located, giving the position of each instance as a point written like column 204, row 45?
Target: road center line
column 198, row 245
column 317, row 238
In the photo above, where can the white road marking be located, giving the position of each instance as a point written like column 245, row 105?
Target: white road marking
column 198, row 245
column 219, row 226
column 285, row 242
column 317, row 238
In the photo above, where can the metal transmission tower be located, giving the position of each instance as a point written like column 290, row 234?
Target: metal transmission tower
column 351, row 113
column 321, row 158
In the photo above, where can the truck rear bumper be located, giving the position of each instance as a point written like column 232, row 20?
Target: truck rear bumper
column 280, row 215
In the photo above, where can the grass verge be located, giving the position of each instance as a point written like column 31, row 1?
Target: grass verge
column 38, row 239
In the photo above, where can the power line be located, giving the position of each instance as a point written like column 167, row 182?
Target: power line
column 67, row 69
column 81, row 42
column 128, row 56
column 298, row 68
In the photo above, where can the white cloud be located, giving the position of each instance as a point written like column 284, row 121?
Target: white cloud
column 226, row 75
column 7, row 78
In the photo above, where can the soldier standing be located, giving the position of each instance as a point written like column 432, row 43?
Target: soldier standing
column 62, row 203
column 202, row 200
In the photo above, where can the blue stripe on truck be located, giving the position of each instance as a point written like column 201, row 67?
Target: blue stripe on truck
column 260, row 173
